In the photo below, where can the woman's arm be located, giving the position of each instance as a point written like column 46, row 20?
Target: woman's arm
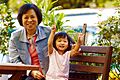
column 50, row 40
column 75, row 50
column 12, row 49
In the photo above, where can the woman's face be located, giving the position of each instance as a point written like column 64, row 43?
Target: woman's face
column 62, row 44
column 30, row 20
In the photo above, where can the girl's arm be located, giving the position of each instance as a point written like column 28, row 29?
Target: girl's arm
column 75, row 50
column 50, row 40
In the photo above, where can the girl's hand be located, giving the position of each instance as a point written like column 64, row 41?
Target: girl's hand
column 37, row 74
column 54, row 28
column 80, row 38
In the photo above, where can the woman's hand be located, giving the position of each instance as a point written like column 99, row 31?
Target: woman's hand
column 37, row 74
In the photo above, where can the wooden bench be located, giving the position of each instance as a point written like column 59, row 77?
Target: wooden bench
column 17, row 70
column 96, row 62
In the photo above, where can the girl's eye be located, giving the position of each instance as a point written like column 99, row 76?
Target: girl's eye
column 59, row 41
column 65, row 41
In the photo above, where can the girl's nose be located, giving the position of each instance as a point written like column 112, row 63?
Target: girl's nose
column 62, row 42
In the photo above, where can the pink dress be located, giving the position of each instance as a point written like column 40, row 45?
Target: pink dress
column 58, row 66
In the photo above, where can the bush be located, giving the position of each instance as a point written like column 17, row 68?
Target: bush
column 109, row 35
column 6, row 27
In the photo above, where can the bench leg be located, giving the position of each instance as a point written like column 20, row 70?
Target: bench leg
column 17, row 75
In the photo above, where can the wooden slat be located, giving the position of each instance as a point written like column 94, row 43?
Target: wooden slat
column 94, row 49
column 82, row 76
column 94, row 59
column 13, row 66
column 81, row 68
column 9, row 71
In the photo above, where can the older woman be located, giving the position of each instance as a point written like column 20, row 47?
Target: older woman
column 29, row 44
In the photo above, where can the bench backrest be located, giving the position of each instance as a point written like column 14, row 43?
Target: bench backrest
column 98, row 60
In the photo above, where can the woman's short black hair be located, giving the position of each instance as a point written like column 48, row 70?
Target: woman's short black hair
column 23, row 9
column 63, row 35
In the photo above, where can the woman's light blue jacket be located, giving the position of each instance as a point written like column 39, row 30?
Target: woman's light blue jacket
column 18, row 46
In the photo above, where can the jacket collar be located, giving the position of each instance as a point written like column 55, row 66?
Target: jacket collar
column 39, row 31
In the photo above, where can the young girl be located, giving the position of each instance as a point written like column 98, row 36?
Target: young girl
column 59, row 52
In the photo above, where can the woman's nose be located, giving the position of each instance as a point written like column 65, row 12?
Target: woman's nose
column 29, row 19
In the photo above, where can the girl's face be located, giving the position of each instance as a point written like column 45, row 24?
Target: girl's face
column 30, row 20
column 62, row 44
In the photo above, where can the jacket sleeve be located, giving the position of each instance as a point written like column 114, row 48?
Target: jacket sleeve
column 12, row 49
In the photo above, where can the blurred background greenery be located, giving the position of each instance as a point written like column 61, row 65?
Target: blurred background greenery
column 66, row 4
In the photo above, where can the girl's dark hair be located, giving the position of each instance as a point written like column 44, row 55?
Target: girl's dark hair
column 23, row 9
column 63, row 35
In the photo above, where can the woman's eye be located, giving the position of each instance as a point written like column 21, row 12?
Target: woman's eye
column 32, row 17
column 25, row 17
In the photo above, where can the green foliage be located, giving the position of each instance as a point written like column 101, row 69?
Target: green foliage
column 15, row 4
column 3, row 1
column 117, row 3
column 109, row 35
column 6, row 26
column 49, row 16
